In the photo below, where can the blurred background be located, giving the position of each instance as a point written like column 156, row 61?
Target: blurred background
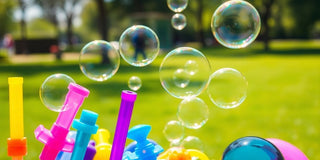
column 42, row 37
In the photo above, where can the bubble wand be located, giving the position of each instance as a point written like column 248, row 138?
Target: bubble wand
column 17, row 143
column 55, row 139
column 124, row 117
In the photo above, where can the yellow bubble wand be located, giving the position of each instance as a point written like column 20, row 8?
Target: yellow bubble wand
column 17, row 143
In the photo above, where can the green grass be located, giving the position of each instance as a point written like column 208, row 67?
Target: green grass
column 282, row 102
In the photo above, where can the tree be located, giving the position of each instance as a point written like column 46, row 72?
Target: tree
column 200, row 34
column 103, row 19
column 23, row 25
column 6, row 9
column 265, row 16
column 69, row 8
column 50, row 11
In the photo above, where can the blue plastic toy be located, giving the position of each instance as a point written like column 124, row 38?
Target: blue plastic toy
column 85, row 126
column 144, row 150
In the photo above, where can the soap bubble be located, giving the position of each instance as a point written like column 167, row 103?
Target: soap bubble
column 177, row 5
column 235, row 24
column 191, row 67
column 251, row 148
column 53, row 91
column 139, row 45
column 227, row 88
column 134, row 83
column 174, row 131
column 178, row 79
column 192, row 142
column 193, row 112
column 179, row 21
column 181, row 78
column 99, row 60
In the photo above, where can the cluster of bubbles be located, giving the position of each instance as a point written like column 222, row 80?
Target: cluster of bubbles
column 178, row 20
column 99, row 60
column 185, row 72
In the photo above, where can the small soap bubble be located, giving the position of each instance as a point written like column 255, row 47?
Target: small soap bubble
column 179, row 21
column 99, row 60
column 53, row 91
column 227, row 88
column 193, row 112
column 174, row 132
column 192, row 142
column 139, row 45
column 177, row 5
column 178, row 78
column 134, row 83
column 235, row 24
column 181, row 78
column 251, row 148
column 191, row 67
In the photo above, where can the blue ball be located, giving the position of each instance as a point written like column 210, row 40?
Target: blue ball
column 252, row 148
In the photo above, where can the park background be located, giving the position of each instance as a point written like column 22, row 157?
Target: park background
column 282, row 68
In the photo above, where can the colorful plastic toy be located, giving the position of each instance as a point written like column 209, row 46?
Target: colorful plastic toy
column 252, row 148
column 85, row 126
column 103, row 146
column 179, row 153
column 144, row 150
column 55, row 139
column 90, row 152
column 17, row 143
column 124, row 118
column 289, row 151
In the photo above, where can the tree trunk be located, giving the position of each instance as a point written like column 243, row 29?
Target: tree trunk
column 200, row 34
column 23, row 26
column 103, row 19
column 265, row 17
column 69, row 30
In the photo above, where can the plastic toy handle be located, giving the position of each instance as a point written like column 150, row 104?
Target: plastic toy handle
column 74, row 99
column 103, row 146
column 16, row 107
column 124, row 118
column 17, row 143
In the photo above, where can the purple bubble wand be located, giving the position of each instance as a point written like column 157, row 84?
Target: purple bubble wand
column 124, row 118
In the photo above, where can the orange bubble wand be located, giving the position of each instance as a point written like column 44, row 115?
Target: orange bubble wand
column 17, row 143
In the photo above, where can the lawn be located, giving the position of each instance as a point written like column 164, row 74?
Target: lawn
column 282, row 102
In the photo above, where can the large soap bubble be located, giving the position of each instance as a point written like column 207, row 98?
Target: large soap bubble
column 251, row 148
column 99, row 60
column 179, row 21
column 193, row 112
column 227, row 88
column 139, row 45
column 184, row 72
column 177, row 5
column 53, row 91
column 235, row 24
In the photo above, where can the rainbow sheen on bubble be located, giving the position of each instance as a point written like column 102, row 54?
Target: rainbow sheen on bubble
column 134, row 83
column 177, row 5
column 139, row 45
column 227, row 88
column 193, row 112
column 192, row 142
column 179, row 21
column 235, row 24
column 99, row 60
column 174, row 132
column 181, row 79
column 53, row 91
